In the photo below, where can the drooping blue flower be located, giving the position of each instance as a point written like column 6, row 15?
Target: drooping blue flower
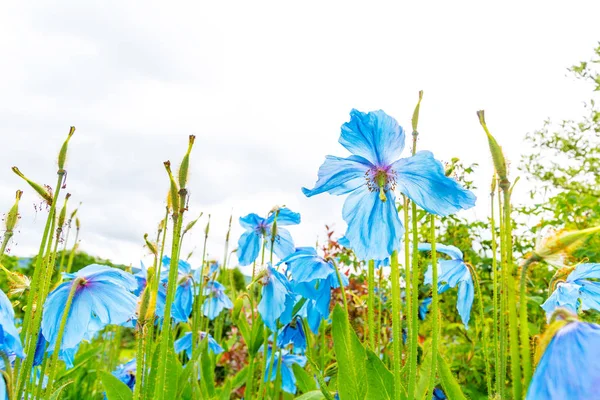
column 216, row 300
column 570, row 366
column 293, row 333
column 577, row 292
column 184, row 343
column 424, row 307
column 184, row 295
column 10, row 341
column 278, row 299
column 305, row 265
column 370, row 176
column 258, row 228
column 438, row 394
column 126, row 373
column 451, row 273
column 288, row 379
column 103, row 296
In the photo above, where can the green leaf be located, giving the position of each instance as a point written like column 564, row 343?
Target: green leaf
column 314, row 395
column 57, row 392
column 449, row 383
column 207, row 369
column 424, row 373
column 351, row 358
column 240, row 378
column 257, row 336
column 174, row 370
column 226, row 391
column 114, row 388
column 305, row 382
column 379, row 379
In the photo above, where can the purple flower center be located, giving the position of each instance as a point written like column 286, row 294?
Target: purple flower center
column 381, row 179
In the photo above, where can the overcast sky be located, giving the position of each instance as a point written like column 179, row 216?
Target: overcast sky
column 264, row 86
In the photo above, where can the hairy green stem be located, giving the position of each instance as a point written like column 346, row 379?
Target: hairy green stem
column 524, row 325
column 396, row 324
column 407, row 277
column 371, row 304
column 434, row 307
column 497, row 363
column 412, row 371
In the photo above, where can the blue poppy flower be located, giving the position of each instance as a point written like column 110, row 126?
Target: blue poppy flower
column 102, row 297
column 569, row 367
column 258, row 228
column 216, row 300
column 293, row 333
column 278, row 299
column 424, row 307
column 577, row 289
column 438, row 394
column 288, row 379
column 126, row 373
column 184, row 295
column 370, row 176
column 10, row 341
column 184, row 343
column 305, row 265
column 451, row 273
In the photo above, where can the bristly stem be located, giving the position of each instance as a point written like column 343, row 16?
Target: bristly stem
column 434, row 307
column 497, row 362
column 524, row 324
column 503, row 303
column 412, row 377
column 407, row 277
column 371, row 304
column 396, row 324
column 59, row 337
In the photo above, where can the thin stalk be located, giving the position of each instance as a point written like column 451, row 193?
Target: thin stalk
column 380, row 308
column 412, row 371
column 488, row 374
column 524, row 325
column 396, row 324
column 371, row 304
column 497, row 363
column 139, row 361
column 434, row 307
column 72, row 252
column 59, row 337
column 341, row 283
column 503, row 304
column 407, row 280
column 40, row 382
column 272, row 358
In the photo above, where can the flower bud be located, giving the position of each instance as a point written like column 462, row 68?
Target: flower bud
column 150, row 245
column 13, row 214
column 238, row 305
column 563, row 242
column 496, row 150
column 77, row 223
column 173, row 190
column 63, row 212
column 415, row 117
column 207, row 228
column 38, row 188
column 191, row 224
column 17, row 282
column 185, row 164
column 62, row 155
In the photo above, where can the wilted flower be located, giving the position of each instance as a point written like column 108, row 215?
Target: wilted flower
column 370, row 177
column 103, row 297
column 184, row 343
column 556, row 245
column 216, row 300
column 258, row 228
column 451, row 273
column 288, row 379
column 569, row 367
column 278, row 299
column 577, row 288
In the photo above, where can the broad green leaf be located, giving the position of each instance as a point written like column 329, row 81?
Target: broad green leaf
column 174, row 370
column 149, row 383
column 208, row 370
column 240, row 378
column 305, row 382
column 351, row 358
column 226, row 391
column 449, row 383
column 424, row 373
column 258, row 330
column 114, row 388
column 380, row 380
column 314, row 395
column 58, row 392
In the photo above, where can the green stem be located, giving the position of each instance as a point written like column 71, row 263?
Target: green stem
column 524, row 325
column 59, row 337
column 412, row 371
column 503, row 304
column 498, row 369
column 380, row 309
column 341, row 283
column 371, row 304
column 396, row 324
column 407, row 282
column 434, row 307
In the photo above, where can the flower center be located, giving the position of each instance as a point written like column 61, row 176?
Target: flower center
column 381, row 179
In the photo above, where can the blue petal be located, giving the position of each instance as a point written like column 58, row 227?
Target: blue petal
column 464, row 301
column 449, row 250
column 305, row 265
column 424, row 307
column 340, row 175
column 584, row 271
column 565, row 296
column 422, row 179
column 184, row 299
column 590, row 295
column 449, row 271
column 184, row 343
column 375, row 136
column 285, row 217
column 277, row 300
column 251, row 221
column 374, row 228
column 284, row 244
column 248, row 248
column 292, row 333
column 569, row 367
column 9, row 338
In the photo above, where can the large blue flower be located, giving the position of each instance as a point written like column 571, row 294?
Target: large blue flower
column 288, row 379
column 10, row 341
column 305, row 265
column 370, row 177
column 216, row 300
column 293, row 333
column 451, row 273
column 577, row 289
column 184, row 343
column 103, row 297
column 258, row 228
column 126, row 373
column 278, row 299
column 570, row 366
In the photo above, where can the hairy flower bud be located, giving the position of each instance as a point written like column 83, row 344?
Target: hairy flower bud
column 496, row 150
column 557, row 244
column 63, row 212
column 150, row 245
column 173, row 190
column 38, row 188
column 415, row 117
column 62, row 155
column 13, row 214
column 238, row 304
column 185, row 164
